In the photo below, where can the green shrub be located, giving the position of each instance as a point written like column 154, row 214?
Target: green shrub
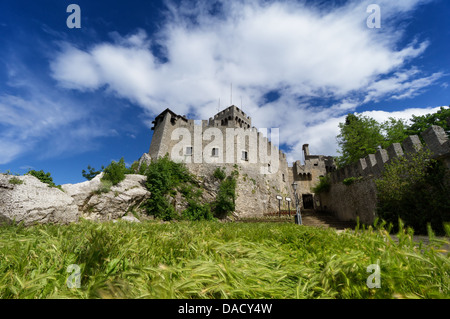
column 417, row 191
column 91, row 172
column 115, row 172
column 43, row 177
column 105, row 187
column 164, row 177
column 196, row 211
column 226, row 196
column 220, row 173
column 350, row 180
column 15, row 181
column 323, row 186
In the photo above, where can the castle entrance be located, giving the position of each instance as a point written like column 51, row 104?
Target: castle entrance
column 308, row 201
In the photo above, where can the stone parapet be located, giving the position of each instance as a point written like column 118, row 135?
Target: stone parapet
column 436, row 140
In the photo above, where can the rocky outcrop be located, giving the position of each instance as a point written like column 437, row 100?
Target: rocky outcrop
column 26, row 199
column 95, row 204
column 145, row 159
column 255, row 192
column 79, row 192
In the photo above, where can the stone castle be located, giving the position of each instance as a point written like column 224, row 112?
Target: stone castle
column 228, row 140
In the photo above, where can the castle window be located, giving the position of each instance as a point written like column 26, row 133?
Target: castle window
column 282, row 175
column 189, row 150
column 215, row 152
column 244, row 155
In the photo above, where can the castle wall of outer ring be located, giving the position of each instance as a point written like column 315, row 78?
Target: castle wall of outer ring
column 359, row 199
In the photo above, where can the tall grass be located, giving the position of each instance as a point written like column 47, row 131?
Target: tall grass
column 216, row 260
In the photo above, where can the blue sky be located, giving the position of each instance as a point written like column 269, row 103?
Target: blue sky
column 76, row 97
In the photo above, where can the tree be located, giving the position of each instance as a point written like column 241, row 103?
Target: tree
column 91, row 173
column 395, row 131
column 421, row 123
column 362, row 135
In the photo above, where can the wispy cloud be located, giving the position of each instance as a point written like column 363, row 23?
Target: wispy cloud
column 302, row 52
column 35, row 113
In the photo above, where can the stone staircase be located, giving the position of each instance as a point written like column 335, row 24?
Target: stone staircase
column 325, row 220
column 310, row 217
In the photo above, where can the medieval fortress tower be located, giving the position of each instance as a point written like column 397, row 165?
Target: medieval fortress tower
column 228, row 140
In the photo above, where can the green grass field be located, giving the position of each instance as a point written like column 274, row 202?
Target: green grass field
column 215, row 260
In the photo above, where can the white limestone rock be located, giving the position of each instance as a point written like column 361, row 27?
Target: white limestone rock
column 145, row 159
column 129, row 194
column 130, row 219
column 79, row 192
column 34, row 202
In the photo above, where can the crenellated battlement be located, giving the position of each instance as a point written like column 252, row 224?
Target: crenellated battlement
column 436, row 140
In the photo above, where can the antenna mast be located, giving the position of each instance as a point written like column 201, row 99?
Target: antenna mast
column 231, row 94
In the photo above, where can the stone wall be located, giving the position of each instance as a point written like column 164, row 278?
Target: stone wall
column 359, row 198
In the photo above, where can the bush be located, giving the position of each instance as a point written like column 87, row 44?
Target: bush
column 197, row 211
column 350, row 180
column 105, row 187
column 415, row 190
column 163, row 178
column 115, row 172
column 226, row 196
column 43, row 177
column 15, row 181
column 323, row 186
column 91, row 172
column 220, row 174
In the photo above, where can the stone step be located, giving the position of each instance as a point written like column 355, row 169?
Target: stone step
column 309, row 218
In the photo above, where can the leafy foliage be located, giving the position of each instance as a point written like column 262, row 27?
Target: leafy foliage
column 15, row 181
column 91, row 172
column 226, row 196
column 164, row 179
column 197, row 211
column 362, row 135
column 43, row 177
column 350, row 180
column 220, row 174
column 323, row 186
column 417, row 190
column 421, row 123
column 115, row 172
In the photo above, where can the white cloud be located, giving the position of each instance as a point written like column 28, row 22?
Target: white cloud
column 300, row 51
